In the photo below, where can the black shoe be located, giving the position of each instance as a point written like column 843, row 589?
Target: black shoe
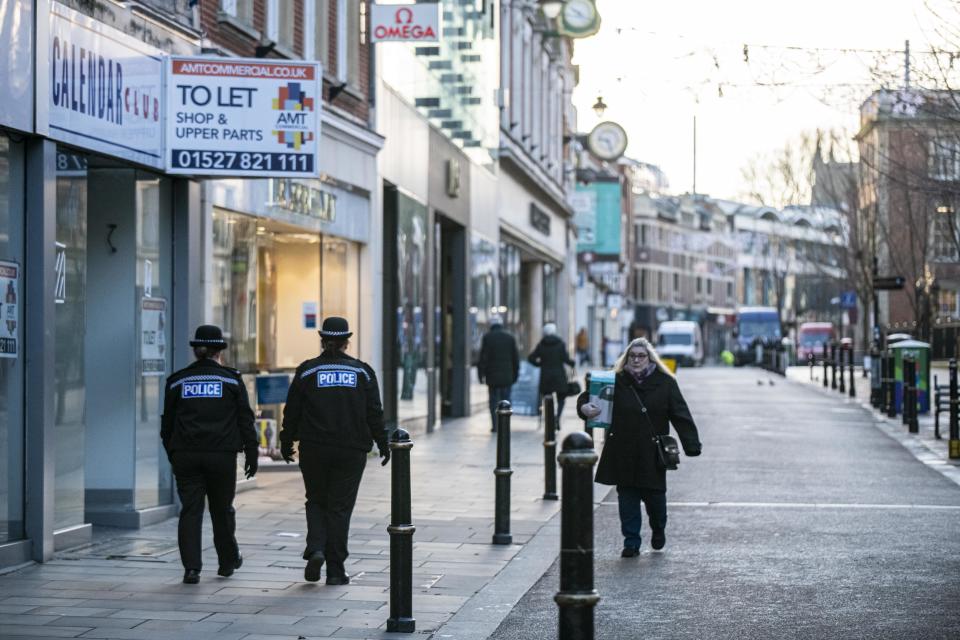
column 311, row 573
column 191, row 576
column 658, row 539
column 336, row 580
column 226, row 570
column 630, row 552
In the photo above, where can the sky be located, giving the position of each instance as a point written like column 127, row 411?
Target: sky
column 659, row 63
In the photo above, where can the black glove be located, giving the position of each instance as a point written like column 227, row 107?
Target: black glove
column 251, row 465
column 384, row 450
column 286, row 451
column 692, row 452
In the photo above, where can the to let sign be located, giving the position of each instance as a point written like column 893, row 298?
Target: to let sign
column 405, row 22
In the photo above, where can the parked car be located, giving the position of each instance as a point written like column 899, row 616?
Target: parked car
column 680, row 340
column 811, row 336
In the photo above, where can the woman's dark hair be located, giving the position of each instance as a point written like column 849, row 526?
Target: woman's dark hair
column 204, row 351
column 334, row 344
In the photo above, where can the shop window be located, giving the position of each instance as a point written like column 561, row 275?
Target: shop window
column 11, row 355
column 281, row 15
column 234, row 291
column 348, row 41
column 412, row 279
column 340, row 280
column 318, row 24
column 483, row 303
column 549, row 293
column 242, row 10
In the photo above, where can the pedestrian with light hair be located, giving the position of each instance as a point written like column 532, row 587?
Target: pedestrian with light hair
column 647, row 400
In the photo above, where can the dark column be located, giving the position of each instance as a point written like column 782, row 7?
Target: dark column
column 954, row 418
column 501, row 527
column 577, row 597
column 549, row 449
column 840, row 361
column 588, row 430
column 853, row 386
column 826, row 374
column 833, row 365
column 401, row 536
column 891, row 386
column 910, row 394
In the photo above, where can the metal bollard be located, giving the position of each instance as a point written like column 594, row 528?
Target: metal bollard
column 905, row 392
column 954, row 418
column 876, row 378
column 910, row 394
column 840, row 356
column 401, row 536
column 501, row 526
column 577, row 597
column 549, row 450
column 853, row 386
column 810, row 363
column 833, row 366
column 891, row 386
column 825, row 375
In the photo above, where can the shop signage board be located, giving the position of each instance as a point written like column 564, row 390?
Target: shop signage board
column 405, row 22
column 597, row 216
column 104, row 89
column 153, row 343
column 9, row 309
column 243, row 117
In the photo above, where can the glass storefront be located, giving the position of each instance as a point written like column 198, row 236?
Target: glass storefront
column 273, row 284
column 70, row 298
column 483, row 281
column 11, row 357
column 510, row 287
column 412, row 274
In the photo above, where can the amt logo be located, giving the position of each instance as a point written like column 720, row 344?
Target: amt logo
column 202, row 390
column 336, row 379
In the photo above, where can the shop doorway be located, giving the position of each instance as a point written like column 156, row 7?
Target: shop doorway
column 452, row 361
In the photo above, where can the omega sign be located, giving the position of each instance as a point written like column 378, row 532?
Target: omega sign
column 405, row 22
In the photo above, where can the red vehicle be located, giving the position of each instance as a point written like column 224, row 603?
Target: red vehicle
column 811, row 337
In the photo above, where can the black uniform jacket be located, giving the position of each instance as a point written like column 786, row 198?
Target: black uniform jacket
column 206, row 408
column 334, row 401
column 629, row 453
column 499, row 363
column 550, row 355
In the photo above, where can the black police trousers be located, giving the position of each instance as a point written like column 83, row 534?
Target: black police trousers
column 211, row 475
column 331, row 478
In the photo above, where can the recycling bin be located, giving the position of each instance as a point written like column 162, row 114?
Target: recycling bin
column 920, row 352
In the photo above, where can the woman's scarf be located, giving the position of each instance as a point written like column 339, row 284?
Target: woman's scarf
column 644, row 373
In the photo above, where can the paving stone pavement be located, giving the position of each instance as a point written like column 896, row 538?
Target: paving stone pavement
column 127, row 584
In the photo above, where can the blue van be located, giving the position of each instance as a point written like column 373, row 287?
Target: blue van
column 755, row 326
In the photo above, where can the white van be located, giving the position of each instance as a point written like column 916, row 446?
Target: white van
column 680, row 340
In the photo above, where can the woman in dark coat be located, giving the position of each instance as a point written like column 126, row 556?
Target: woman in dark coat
column 647, row 400
column 550, row 355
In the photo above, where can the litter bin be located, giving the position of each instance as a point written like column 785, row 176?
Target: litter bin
column 920, row 352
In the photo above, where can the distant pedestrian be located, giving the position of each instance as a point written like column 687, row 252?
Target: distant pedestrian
column 551, row 356
column 583, row 346
column 333, row 410
column 498, row 366
column 647, row 400
column 206, row 420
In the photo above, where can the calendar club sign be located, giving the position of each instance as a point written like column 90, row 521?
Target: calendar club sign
column 405, row 22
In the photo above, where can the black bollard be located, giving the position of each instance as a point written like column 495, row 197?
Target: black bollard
column 501, row 526
column 549, row 450
column 910, row 394
column 905, row 391
column 825, row 360
column 577, row 597
column 954, row 418
column 401, row 536
column 853, row 386
column 841, row 359
column 833, row 366
column 810, row 363
column 891, row 386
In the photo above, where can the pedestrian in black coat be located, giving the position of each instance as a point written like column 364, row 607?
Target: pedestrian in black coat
column 647, row 400
column 206, row 420
column 551, row 355
column 498, row 366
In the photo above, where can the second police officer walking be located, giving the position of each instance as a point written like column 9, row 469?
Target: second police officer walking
column 206, row 420
column 333, row 410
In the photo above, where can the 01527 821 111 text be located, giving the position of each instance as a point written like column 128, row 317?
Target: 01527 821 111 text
column 230, row 160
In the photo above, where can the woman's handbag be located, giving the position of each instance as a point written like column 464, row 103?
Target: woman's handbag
column 668, row 451
column 573, row 385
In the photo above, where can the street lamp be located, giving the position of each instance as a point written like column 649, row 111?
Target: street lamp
column 551, row 8
column 599, row 107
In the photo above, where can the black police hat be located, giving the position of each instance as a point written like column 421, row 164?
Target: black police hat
column 208, row 335
column 334, row 327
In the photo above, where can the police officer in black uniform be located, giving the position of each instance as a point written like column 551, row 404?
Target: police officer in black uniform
column 206, row 420
column 333, row 409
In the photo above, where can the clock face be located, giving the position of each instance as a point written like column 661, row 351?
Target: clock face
column 579, row 15
column 607, row 141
